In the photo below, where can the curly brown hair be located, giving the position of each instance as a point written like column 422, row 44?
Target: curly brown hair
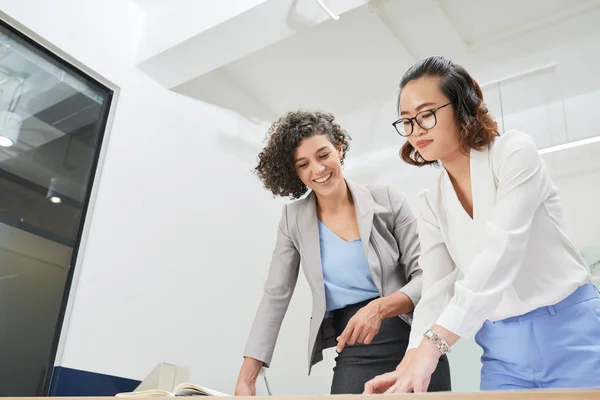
column 276, row 162
column 478, row 127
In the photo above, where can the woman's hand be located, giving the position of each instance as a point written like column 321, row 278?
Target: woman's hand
column 362, row 327
column 365, row 324
column 417, row 375
column 412, row 375
column 245, row 389
column 246, row 383
column 382, row 383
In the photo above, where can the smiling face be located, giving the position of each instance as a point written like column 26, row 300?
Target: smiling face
column 442, row 141
column 317, row 163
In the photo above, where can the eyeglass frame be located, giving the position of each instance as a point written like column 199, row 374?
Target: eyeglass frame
column 414, row 119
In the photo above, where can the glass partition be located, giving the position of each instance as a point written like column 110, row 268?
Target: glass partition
column 52, row 121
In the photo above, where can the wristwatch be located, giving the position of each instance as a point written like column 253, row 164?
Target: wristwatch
column 437, row 340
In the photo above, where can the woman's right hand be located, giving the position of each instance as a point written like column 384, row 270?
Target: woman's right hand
column 381, row 383
column 406, row 360
column 246, row 383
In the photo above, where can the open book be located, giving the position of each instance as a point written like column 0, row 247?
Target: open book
column 184, row 389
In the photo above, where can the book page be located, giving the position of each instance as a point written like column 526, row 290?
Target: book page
column 146, row 393
column 189, row 389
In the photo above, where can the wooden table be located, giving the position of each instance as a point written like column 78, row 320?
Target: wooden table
column 511, row 395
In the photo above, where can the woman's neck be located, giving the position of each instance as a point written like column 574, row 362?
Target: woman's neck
column 336, row 201
column 458, row 166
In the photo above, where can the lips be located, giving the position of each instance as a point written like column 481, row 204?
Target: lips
column 423, row 143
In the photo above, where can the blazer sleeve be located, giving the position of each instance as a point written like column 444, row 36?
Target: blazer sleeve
column 278, row 290
column 439, row 273
column 407, row 239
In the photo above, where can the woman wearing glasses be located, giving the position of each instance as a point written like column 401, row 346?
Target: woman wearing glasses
column 495, row 215
column 358, row 247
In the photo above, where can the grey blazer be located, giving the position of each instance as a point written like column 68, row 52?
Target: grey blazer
column 388, row 231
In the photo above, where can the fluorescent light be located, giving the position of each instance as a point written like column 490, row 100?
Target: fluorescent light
column 570, row 145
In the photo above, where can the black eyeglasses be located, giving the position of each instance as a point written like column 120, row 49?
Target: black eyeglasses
column 426, row 120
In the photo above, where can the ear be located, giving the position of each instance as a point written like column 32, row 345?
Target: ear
column 340, row 150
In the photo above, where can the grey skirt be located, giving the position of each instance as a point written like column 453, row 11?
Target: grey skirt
column 359, row 363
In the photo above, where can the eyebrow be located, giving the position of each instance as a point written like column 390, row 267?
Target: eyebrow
column 429, row 103
column 319, row 150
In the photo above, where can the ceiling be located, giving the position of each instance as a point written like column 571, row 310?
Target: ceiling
column 351, row 67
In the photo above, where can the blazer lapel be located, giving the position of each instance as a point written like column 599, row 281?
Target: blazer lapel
column 364, row 207
column 308, row 225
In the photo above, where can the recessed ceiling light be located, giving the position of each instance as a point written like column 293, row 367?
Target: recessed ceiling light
column 10, row 127
column 6, row 142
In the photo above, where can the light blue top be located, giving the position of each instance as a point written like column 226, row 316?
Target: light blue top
column 346, row 272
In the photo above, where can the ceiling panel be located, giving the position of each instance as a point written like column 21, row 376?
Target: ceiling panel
column 478, row 19
column 338, row 66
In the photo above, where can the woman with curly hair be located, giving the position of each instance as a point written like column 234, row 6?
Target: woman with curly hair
column 358, row 248
column 494, row 215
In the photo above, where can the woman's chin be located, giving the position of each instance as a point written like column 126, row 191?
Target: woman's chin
column 427, row 155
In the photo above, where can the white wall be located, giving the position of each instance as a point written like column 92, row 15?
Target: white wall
column 181, row 232
column 581, row 194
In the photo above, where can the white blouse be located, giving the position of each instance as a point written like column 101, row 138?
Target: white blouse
column 515, row 255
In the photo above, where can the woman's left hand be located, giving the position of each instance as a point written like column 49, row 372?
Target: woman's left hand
column 362, row 327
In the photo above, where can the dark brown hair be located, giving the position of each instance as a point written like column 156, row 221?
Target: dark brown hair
column 477, row 127
column 276, row 162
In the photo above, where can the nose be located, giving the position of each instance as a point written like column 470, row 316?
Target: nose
column 417, row 130
column 318, row 168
